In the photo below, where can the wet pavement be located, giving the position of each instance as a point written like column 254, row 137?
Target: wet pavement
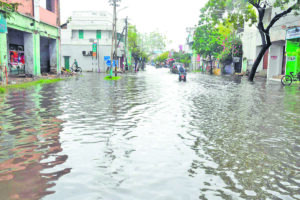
column 148, row 136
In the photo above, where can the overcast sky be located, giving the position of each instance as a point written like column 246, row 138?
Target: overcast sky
column 170, row 17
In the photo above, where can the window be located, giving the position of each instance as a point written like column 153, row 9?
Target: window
column 98, row 34
column 81, row 34
column 48, row 4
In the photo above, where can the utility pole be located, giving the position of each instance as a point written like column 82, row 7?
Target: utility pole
column 116, row 37
column 114, row 34
column 126, row 35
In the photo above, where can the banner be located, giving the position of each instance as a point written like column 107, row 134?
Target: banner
column 94, row 49
column 293, row 33
column 3, row 25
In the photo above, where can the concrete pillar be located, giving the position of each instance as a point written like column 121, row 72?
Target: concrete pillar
column 3, row 54
column 275, row 60
column 53, row 55
column 3, row 49
column 29, row 53
column 58, row 52
column 36, row 54
column 37, row 10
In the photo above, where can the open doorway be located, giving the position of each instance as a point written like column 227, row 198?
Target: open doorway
column 48, row 55
column 16, row 58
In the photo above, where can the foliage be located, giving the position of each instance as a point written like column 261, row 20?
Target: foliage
column 181, row 57
column 207, row 41
column 2, row 90
column 251, row 11
column 134, row 44
column 29, row 84
column 153, row 41
column 7, row 8
column 112, row 78
column 162, row 57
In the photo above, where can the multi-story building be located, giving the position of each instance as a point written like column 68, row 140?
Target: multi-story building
column 31, row 39
column 274, row 61
column 88, row 29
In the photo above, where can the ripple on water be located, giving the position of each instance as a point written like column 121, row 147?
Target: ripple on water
column 147, row 136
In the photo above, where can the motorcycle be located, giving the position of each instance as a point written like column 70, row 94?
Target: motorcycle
column 182, row 77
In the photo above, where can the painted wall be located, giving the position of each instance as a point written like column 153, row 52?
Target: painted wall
column 28, row 52
column 85, row 62
column 3, row 49
column 48, row 17
column 25, row 8
column 275, row 61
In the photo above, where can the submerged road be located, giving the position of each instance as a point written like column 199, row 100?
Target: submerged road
column 148, row 136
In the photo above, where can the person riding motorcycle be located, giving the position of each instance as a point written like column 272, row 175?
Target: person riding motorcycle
column 181, row 70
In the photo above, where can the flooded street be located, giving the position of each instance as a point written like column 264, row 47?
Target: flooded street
column 149, row 136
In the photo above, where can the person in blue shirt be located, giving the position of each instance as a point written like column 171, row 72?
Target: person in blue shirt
column 182, row 70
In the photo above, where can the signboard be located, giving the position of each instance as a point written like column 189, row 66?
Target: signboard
column 3, row 25
column 106, row 58
column 274, row 57
column 293, row 33
column 108, row 63
column 94, row 49
column 291, row 58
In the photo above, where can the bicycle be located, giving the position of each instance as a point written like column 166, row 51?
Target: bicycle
column 288, row 79
column 75, row 68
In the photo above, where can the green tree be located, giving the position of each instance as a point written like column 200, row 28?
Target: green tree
column 7, row 8
column 251, row 11
column 135, row 47
column 207, row 42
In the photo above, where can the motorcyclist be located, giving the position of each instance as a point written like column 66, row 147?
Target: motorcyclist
column 182, row 70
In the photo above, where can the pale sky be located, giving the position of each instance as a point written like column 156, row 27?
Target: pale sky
column 170, row 17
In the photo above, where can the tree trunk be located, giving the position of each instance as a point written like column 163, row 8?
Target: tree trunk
column 258, row 60
column 211, row 67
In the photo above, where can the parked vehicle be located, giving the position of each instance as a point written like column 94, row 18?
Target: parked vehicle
column 75, row 68
column 288, row 79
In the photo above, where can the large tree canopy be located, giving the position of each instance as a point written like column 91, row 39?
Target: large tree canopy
column 252, row 11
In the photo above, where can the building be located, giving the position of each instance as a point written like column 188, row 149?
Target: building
column 274, row 61
column 31, row 41
column 188, row 48
column 85, row 30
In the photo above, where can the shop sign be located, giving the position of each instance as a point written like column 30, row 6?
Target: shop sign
column 236, row 59
column 3, row 25
column 106, row 58
column 293, row 33
column 94, row 49
column 291, row 58
column 274, row 57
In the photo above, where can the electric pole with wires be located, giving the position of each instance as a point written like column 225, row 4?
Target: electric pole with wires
column 114, row 47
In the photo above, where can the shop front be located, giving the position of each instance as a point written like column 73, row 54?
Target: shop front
column 293, row 50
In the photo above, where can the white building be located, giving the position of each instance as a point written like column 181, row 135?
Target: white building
column 84, row 29
column 274, row 62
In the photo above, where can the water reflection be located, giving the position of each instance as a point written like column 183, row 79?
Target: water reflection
column 148, row 136
column 29, row 143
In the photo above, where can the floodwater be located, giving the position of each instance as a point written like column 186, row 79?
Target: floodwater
column 148, row 136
